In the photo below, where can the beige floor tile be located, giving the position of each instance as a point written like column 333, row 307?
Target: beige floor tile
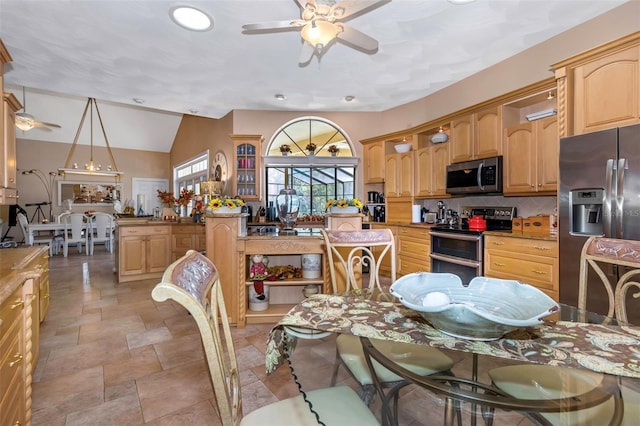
column 142, row 362
column 121, row 411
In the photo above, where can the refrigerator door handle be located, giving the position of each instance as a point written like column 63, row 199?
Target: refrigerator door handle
column 622, row 166
column 608, row 194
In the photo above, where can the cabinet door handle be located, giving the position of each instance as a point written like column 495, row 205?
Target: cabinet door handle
column 17, row 359
column 19, row 303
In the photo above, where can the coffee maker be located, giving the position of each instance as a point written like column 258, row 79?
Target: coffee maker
column 378, row 214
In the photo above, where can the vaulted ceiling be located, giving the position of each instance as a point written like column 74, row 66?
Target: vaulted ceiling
column 118, row 51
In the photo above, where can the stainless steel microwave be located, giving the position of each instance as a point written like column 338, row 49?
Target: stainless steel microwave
column 482, row 176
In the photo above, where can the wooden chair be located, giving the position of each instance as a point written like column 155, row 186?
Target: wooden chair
column 194, row 283
column 348, row 252
column 552, row 383
column 75, row 232
column 101, row 231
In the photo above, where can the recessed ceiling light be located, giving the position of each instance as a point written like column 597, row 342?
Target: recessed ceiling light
column 349, row 98
column 280, row 97
column 138, row 100
column 191, row 18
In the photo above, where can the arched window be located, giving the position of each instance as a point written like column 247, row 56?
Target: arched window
column 315, row 157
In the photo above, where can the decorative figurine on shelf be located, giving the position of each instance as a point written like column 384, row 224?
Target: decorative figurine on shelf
column 198, row 208
column 258, row 273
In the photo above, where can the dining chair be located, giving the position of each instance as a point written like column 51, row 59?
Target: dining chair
column 75, row 232
column 193, row 282
column 549, row 382
column 101, row 231
column 48, row 240
column 349, row 253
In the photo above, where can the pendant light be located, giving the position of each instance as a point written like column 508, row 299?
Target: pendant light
column 90, row 168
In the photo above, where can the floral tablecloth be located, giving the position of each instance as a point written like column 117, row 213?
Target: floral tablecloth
column 601, row 348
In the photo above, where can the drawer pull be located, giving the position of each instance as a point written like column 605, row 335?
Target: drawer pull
column 18, row 304
column 539, row 272
column 17, row 360
column 541, row 248
column 497, row 243
column 499, row 264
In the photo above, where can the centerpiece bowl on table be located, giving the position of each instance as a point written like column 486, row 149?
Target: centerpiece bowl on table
column 486, row 309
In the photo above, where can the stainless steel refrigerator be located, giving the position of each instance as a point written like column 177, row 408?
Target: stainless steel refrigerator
column 599, row 195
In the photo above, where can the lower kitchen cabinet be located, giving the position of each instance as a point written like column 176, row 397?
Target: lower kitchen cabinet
column 529, row 260
column 385, row 264
column 144, row 251
column 413, row 249
column 188, row 236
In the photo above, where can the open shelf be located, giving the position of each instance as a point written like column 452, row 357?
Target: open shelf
column 272, row 314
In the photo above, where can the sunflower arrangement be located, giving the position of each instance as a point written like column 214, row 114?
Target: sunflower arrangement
column 354, row 202
column 232, row 203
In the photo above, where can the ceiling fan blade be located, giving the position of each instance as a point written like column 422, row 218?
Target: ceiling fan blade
column 306, row 53
column 274, row 25
column 353, row 8
column 42, row 126
column 45, row 124
column 357, row 38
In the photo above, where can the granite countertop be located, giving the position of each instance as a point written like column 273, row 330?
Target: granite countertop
column 143, row 221
column 12, row 264
column 546, row 237
column 281, row 235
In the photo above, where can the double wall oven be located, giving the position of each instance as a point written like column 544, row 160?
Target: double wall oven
column 459, row 250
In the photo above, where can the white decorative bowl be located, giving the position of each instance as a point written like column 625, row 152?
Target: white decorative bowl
column 484, row 310
column 402, row 147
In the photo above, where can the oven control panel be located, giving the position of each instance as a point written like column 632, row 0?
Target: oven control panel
column 491, row 213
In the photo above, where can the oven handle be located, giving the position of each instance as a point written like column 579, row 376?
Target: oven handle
column 455, row 260
column 455, row 236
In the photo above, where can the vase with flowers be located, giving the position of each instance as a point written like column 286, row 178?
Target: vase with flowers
column 311, row 147
column 225, row 205
column 285, row 149
column 183, row 200
column 333, row 150
column 343, row 206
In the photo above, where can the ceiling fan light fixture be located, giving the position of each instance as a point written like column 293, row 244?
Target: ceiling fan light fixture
column 349, row 98
column 191, row 18
column 280, row 96
column 319, row 33
column 25, row 121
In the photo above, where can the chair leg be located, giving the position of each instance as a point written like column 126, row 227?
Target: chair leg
column 336, row 366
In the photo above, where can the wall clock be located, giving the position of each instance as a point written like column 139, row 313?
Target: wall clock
column 220, row 168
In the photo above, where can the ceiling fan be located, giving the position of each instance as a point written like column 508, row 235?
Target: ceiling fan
column 26, row 122
column 321, row 24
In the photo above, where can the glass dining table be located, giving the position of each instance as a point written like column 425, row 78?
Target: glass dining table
column 569, row 338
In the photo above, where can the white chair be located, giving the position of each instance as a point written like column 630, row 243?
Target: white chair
column 194, row 283
column 102, row 231
column 348, row 252
column 553, row 383
column 24, row 223
column 75, row 232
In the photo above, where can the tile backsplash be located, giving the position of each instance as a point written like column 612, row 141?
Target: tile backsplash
column 527, row 206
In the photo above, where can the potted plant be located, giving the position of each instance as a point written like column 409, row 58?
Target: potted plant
column 334, row 150
column 225, row 205
column 311, row 147
column 344, row 206
column 285, row 149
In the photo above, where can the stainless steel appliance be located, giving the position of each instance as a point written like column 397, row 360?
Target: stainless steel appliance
column 475, row 177
column 460, row 250
column 599, row 195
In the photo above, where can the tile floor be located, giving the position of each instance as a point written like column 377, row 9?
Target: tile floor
column 110, row 355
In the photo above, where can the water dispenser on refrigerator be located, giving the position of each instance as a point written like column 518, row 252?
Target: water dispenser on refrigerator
column 585, row 211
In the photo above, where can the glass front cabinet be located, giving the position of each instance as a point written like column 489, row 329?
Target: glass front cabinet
column 248, row 159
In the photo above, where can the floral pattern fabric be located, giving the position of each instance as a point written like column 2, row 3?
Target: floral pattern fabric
column 596, row 347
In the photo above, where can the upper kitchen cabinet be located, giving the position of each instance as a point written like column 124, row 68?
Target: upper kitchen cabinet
column 398, row 172
column 373, row 155
column 531, row 158
column 477, row 135
column 600, row 88
column 8, row 108
column 431, row 161
column 247, row 161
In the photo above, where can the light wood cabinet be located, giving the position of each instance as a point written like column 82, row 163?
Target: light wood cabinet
column 529, row 260
column 477, row 135
column 189, row 236
column 431, row 171
column 531, row 157
column 8, row 108
column 385, row 263
column 461, row 139
column 248, row 163
column 144, row 251
column 373, row 155
column 413, row 249
column 600, row 88
column 399, row 175
column 13, row 358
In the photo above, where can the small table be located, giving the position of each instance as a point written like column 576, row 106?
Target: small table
column 609, row 349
